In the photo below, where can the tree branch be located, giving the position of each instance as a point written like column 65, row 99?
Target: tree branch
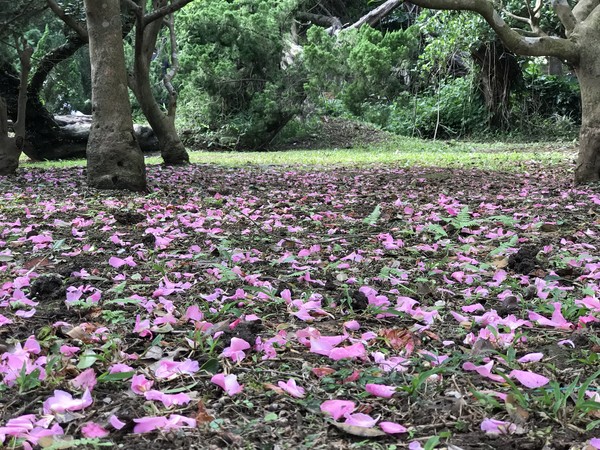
column 334, row 24
column 3, row 119
column 25, row 51
column 584, row 8
column 68, row 20
column 526, row 20
column 525, row 46
column 159, row 13
column 565, row 15
column 168, row 79
column 51, row 59
column 377, row 14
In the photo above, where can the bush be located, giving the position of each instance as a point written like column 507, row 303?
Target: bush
column 454, row 111
column 234, row 86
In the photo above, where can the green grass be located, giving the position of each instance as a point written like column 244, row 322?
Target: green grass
column 399, row 152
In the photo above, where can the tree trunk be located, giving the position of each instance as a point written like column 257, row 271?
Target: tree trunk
column 115, row 160
column 588, row 73
column 9, row 152
column 171, row 148
column 499, row 72
column 11, row 147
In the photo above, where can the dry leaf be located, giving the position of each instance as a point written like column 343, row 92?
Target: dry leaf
column 500, row 263
column 56, row 442
column 40, row 261
column 154, row 352
column 323, row 371
column 202, row 416
column 400, row 339
column 359, row 431
column 273, row 388
column 481, row 346
column 517, row 414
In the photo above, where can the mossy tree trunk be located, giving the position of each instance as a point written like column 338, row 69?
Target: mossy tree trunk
column 114, row 158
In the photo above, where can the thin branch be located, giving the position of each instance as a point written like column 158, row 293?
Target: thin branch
column 168, row 79
column 71, row 22
column 525, row 46
column 159, row 13
column 526, row 20
column 565, row 15
column 377, row 14
column 527, row 33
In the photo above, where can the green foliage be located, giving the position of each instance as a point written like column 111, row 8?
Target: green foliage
column 546, row 105
column 454, row 110
column 235, row 86
column 364, row 68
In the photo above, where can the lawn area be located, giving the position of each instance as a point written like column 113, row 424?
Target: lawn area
column 399, row 151
column 410, row 295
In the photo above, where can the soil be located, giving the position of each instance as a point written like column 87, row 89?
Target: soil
column 237, row 241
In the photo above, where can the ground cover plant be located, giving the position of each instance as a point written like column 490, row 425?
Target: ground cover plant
column 390, row 305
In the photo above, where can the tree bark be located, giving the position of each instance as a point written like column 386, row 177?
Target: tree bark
column 588, row 73
column 11, row 147
column 115, row 160
column 171, row 148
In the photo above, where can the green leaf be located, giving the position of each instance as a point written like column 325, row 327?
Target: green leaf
column 119, row 376
column 372, row 218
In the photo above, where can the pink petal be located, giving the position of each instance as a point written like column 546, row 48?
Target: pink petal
column 85, row 380
column 93, row 430
column 392, row 427
column 531, row 357
column 352, row 325
column 350, row 352
column 595, row 442
column 380, row 390
column 291, row 388
column 168, row 399
column 484, row 371
column 337, row 408
column 116, row 423
column 493, row 426
column 148, row 424
column 140, row 384
column 360, row 420
column 529, row 379
column 228, row 383
column 63, row 401
column 116, row 262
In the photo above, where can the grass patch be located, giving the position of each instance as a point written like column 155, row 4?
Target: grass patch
column 403, row 152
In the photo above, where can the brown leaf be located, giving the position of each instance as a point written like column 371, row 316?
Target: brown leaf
column 273, row 388
column 202, row 416
column 400, row 339
column 500, row 263
column 322, row 371
column 56, row 442
column 358, row 431
column 40, row 261
column 549, row 227
column 481, row 346
column 517, row 414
